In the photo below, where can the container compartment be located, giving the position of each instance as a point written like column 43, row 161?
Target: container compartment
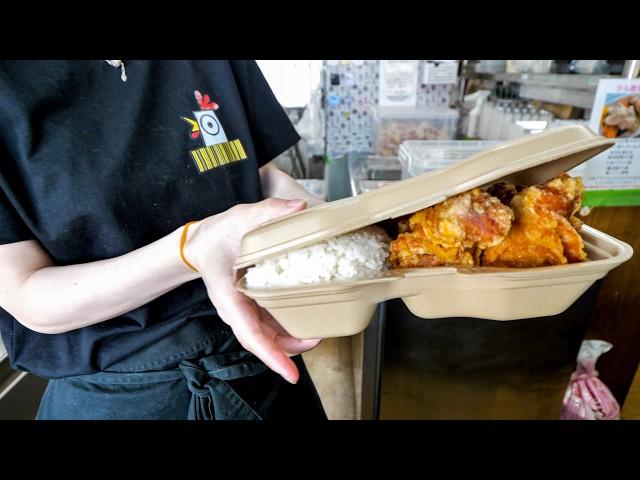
column 345, row 308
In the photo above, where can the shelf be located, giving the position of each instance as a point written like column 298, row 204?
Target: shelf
column 567, row 89
column 564, row 80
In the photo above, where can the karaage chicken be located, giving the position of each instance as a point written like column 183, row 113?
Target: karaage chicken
column 453, row 232
column 505, row 226
column 545, row 230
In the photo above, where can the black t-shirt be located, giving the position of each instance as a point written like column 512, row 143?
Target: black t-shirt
column 93, row 167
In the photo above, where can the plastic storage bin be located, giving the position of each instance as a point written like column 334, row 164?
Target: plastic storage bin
column 393, row 125
column 336, row 309
column 418, row 156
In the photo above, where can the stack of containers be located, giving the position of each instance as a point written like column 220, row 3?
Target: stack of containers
column 503, row 120
column 335, row 308
column 393, row 125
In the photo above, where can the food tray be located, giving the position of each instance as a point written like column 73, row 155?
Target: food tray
column 346, row 308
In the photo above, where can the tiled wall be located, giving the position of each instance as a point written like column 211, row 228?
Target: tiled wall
column 348, row 123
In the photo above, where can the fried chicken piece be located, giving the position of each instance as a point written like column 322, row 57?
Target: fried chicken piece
column 452, row 232
column 504, row 191
column 545, row 231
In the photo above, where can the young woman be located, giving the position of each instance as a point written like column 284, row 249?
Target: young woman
column 107, row 288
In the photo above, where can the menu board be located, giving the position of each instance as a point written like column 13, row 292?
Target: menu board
column 612, row 178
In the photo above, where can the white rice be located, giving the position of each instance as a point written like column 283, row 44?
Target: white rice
column 359, row 254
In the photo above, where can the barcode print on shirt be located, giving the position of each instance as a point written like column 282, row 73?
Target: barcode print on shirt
column 214, row 156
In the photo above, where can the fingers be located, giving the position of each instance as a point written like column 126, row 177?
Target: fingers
column 295, row 346
column 291, row 345
column 242, row 314
column 273, row 208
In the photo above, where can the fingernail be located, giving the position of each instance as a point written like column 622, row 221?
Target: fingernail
column 294, row 203
column 290, row 379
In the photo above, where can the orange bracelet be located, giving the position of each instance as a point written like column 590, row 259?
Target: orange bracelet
column 183, row 240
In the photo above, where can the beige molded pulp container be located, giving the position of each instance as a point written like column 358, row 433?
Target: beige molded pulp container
column 346, row 308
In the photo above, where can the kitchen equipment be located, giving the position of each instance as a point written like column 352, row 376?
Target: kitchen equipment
column 345, row 308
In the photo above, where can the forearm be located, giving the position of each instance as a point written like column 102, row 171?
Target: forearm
column 63, row 298
column 277, row 184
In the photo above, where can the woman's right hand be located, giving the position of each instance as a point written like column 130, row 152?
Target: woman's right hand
column 212, row 247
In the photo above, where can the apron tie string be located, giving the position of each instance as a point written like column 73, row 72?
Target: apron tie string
column 212, row 397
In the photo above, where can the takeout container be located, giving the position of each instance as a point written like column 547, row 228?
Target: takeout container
column 345, row 308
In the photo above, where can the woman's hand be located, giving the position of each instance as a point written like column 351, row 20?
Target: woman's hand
column 212, row 247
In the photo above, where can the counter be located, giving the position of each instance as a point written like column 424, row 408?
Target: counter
column 454, row 368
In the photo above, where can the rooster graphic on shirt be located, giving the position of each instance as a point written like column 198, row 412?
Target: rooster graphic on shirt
column 206, row 126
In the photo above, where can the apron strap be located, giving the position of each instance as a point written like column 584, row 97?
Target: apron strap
column 212, row 398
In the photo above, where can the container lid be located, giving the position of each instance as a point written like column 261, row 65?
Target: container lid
column 414, row 113
column 527, row 161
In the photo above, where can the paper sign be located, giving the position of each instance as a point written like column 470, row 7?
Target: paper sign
column 398, row 83
column 440, row 72
column 612, row 178
column 614, row 169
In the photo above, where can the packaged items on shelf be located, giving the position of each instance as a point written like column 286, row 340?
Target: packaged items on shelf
column 491, row 66
column 591, row 67
column 518, row 66
column 529, row 66
column 509, row 119
column 393, row 125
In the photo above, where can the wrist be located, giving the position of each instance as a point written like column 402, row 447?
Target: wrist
column 187, row 252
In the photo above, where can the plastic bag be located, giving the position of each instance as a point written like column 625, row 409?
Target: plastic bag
column 587, row 398
column 310, row 127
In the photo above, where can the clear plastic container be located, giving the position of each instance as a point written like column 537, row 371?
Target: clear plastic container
column 491, row 66
column 540, row 66
column 382, row 168
column 591, row 67
column 419, row 157
column 393, row 125
column 365, row 186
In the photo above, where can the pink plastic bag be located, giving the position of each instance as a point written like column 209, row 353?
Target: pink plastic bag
column 587, row 398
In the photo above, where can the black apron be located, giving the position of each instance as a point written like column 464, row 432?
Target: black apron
column 213, row 378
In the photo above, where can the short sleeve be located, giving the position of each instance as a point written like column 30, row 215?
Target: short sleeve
column 12, row 228
column 271, row 130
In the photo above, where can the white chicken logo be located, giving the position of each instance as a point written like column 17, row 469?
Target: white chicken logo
column 218, row 150
column 206, row 123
